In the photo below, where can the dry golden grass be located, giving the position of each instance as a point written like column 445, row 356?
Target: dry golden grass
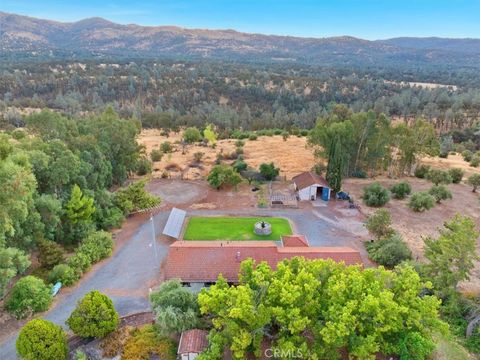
column 292, row 155
column 453, row 161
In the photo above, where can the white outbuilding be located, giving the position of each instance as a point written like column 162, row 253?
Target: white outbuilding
column 310, row 186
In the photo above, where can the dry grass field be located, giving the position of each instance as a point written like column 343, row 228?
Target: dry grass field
column 453, row 161
column 415, row 226
column 292, row 156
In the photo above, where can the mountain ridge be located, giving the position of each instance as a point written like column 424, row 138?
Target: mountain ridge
column 97, row 37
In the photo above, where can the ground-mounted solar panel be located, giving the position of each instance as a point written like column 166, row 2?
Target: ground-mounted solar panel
column 174, row 224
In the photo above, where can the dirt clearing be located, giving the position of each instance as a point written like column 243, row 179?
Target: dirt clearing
column 292, row 155
column 415, row 226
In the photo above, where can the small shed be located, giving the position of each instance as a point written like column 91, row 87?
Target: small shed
column 174, row 224
column 310, row 186
column 192, row 343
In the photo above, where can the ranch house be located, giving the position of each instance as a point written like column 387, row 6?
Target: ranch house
column 199, row 263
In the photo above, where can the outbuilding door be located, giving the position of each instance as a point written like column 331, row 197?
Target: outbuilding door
column 325, row 193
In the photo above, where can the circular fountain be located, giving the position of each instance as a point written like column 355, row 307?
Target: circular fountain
column 263, row 228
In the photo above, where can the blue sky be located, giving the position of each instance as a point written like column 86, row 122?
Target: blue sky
column 369, row 19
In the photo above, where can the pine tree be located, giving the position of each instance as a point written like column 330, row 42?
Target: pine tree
column 79, row 208
column 79, row 216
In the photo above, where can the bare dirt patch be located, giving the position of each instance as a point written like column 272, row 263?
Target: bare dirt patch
column 177, row 192
column 415, row 226
column 292, row 155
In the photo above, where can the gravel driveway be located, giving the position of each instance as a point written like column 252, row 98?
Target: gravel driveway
column 128, row 274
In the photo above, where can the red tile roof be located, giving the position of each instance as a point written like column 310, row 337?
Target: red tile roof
column 204, row 261
column 193, row 341
column 307, row 179
column 294, row 240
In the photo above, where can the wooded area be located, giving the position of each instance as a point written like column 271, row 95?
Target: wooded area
column 232, row 96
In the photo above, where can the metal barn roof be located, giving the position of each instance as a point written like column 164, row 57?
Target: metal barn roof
column 174, row 224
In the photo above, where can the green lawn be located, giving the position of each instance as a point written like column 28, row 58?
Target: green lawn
column 233, row 228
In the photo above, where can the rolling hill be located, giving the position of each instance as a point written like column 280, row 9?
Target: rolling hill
column 23, row 37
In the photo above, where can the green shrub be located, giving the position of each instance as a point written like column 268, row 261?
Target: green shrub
column 421, row 201
column 380, row 224
column 80, row 355
column 63, row 273
column 266, row 132
column 375, row 195
column 294, row 130
column 421, row 171
column 239, row 143
column 79, row 263
column 29, row 295
column 166, row 147
column 474, row 180
column 192, row 135
column 239, row 165
column 144, row 166
column 360, row 174
column 239, row 150
column 401, row 190
column 156, row 155
column 243, row 135
column 440, row 192
column 389, row 252
column 19, row 134
column 269, row 171
column 98, row 245
column 49, row 253
column 94, row 316
column 222, row 175
column 467, row 155
column 415, row 346
column 42, row 340
column 475, row 161
column 252, row 137
column 439, row 177
column 456, row 175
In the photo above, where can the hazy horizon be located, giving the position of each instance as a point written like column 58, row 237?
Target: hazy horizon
column 369, row 19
